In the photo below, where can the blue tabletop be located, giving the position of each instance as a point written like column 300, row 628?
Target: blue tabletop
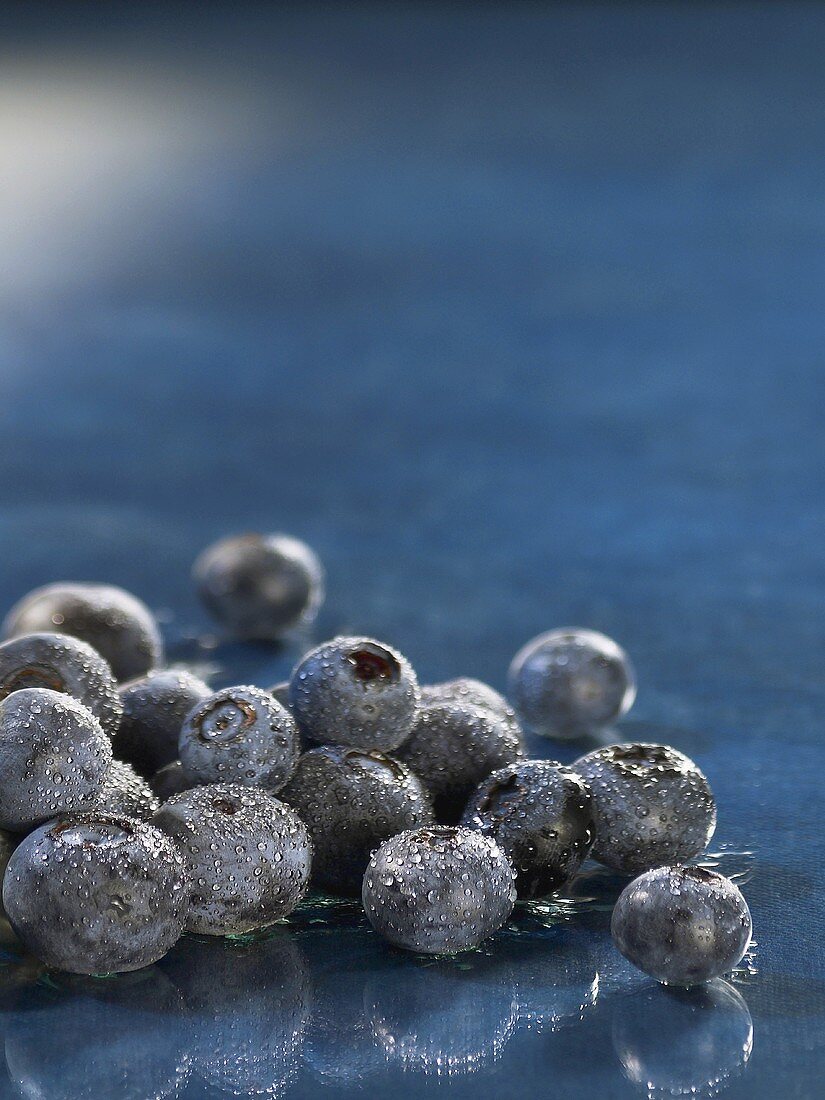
column 515, row 314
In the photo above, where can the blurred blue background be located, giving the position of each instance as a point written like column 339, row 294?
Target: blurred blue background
column 515, row 314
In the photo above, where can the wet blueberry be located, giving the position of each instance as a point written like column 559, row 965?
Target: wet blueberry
column 454, row 747
column 467, row 691
column 61, row 663
column 541, row 815
column 154, row 708
column 171, row 779
column 112, row 621
column 651, row 804
column 54, row 757
column 239, row 735
column 127, row 793
column 249, row 856
column 682, row 925
column 351, row 802
column 355, row 691
column 438, row 890
column 571, row 682
column 96, row 893
column 260, row 586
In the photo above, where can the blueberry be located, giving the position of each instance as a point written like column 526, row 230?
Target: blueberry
column 8, row 842
column 571, row 682
column 247, row 1009
column 355, row 691
column 125, row 792
column 54, row 757
column 154, row 708
column 541, row 815
column 260, row 586
column 112, row 621
column 239, row 735
column 171, row 779
column 470, row 692
column 280, row 693
column 438, row 890
column 682, row 925
column 61, row 663
column 651, row 805
column 352, row 801
column 97, row 893
column 249, row 856
column 454, row 747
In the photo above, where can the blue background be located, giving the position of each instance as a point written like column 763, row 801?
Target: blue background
column 515, row 313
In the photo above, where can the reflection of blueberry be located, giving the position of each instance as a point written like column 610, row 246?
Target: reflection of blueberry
column 352, row 801
column 54, row 757
column 239, row 735
column 154, row 708
column 125, row 792
column 682, row 925
column 171, row 779
column 247, row 1006
column 249, row 855
column 355, row 691
column 651, row 804
column 96, row 893
column 541, row 815
column 675, row 1042
column 61, row 663
column 85, row 1039
column 438, row 890
column 113, row 622
column 260, row 586
column 454, row 747
column 570, row 682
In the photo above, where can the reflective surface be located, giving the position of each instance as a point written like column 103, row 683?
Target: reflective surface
column 516, row 317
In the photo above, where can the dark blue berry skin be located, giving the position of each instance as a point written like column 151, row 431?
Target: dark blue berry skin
column 570, row 683
column 247, row 1008
column 280, row 693
column 125, row 792
column 355, row 691
column 154, row 708
column 438, row 890
column 240, row 735
column 652, row 806
column 541, row 815
column 54, row 757
column 682, row 925
column 351, row 802
column 454, row 747
column 171, row 779
column 248, row 853
column 260, row 586
column 474, row 693
column 97, row 893
column 112, row 621
column 62, row 663
column 80, row 1038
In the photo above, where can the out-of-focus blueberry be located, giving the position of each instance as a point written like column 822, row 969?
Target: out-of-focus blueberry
column 240, row 735
column 54, row 757
column 651, row 804
column 125, row 792
column 682, row 925
column 454, row 747
column 154, row 708
column 541, row 815
column 248, row 853
column 438, row 890
column 112, row 621
column 352, row 801
column 171, row 779
column 355, row 691
column 260, row 586
column 280, row 693
column 62, row 663
column 97, row 893
column 571, row 682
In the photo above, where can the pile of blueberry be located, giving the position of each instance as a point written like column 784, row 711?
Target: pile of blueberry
column 136, row 804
